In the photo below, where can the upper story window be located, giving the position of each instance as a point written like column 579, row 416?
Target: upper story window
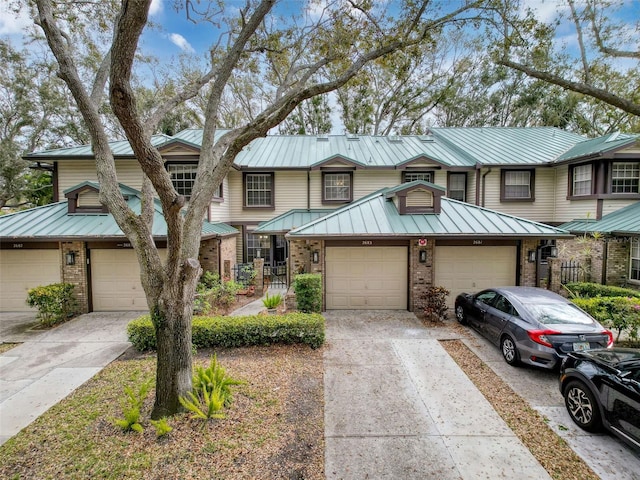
column 413, row 176
column 337, row 187
column 581, row 180
column 457, row 186
column 625, row 177
column 634, row 267
column 258, row 190
column 183, row 176
column 517, row 185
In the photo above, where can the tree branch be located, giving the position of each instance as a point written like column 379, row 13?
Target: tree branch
column 579, row 87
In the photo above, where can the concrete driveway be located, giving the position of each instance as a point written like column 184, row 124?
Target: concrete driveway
column 397, row 406
column 607, row 456
column 50, row 364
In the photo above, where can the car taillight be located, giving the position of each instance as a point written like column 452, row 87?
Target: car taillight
column 610, row 335
column 540, row 336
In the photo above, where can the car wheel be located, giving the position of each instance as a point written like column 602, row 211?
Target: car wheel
column 460, row 315
column 582, row 406
column 509, row 351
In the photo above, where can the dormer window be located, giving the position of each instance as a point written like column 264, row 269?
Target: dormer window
column 412, row 176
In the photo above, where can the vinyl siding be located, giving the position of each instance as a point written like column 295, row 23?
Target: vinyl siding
column 221, row 211
column 72, row 173
column 613, row 205
column 369, row 181
column 541, row 210
column 290, row 190
column 567, row 210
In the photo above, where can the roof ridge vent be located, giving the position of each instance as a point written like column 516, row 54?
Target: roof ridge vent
column 394, row 138
column 323, row 137
column 353, row 136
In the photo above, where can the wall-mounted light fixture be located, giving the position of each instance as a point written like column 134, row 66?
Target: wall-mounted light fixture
column 258, row 252
column 70, row 258
column 553, row 252
column 315, row 256
column 422, row 256
column 531, row 256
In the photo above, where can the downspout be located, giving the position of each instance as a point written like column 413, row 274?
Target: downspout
column 484, row 185
column 605, row 255
column 478, row 168
column 308, row 189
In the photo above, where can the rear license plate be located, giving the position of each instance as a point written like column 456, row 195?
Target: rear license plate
column 579, row 346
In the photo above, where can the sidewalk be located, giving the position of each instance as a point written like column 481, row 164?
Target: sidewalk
column 51, row 364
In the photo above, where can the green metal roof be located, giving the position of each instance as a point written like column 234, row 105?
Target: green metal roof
column 451, row 147
column 53, row 221
column 597, row 146
column 291, row 219
column 376, row 215
column 623, row 221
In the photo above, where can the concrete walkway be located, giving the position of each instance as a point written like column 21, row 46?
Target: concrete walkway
column 397, row 406
column 51, row 364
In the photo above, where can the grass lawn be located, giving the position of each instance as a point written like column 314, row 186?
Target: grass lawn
column 273, row 429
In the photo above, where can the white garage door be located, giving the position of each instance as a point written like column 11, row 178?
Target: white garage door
column 469, row 269
column 366, row 278
column 21, row 270
column 115, row 280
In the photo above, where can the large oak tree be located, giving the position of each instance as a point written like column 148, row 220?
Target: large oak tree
column 297, row 58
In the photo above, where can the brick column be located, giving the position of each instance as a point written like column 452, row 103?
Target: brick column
column 76, row 273
column 258, row 265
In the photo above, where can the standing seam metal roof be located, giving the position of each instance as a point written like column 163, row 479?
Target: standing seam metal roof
column 462, row 147
column 626, row 221
column 374, row 215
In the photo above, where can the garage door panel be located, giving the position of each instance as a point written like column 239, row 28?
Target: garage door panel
column 470, row 269
column 115, row 280
column 366, row 278
column 21, row 270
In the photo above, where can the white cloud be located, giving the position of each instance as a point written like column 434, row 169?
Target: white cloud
column 12, row 23
column 156, row 7
column 181, row 42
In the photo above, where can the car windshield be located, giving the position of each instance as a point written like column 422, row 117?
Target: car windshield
column 559, row 314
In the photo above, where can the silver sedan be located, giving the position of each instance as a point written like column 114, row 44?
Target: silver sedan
column 531, row 325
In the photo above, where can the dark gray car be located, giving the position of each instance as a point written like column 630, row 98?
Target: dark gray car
column 531, row 325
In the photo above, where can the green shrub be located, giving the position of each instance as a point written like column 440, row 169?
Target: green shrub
column 131, row 407
column 211, row 391
column 55, row 302
column 272, row 301
column 308, row 288
column 162, row 427
column 588, row 290
column 213, row 293
column 223, row 331
column 621, row 314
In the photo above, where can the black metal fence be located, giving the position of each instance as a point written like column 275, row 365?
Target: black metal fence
column 275, row 275
column 570, row 271
column 272, row 275
column 244, row 273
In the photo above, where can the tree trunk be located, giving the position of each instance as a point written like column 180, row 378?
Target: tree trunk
column 172, row 317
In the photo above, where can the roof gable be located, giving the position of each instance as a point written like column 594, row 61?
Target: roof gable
column 376, row 216
column 337, row 161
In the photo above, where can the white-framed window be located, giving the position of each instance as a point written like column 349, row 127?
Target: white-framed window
column 183, row 176
column 517, row 185
column 337, row 187
column 625, row 177
column 413, row 176
column 582, row 180
column 258, row 189
column 458, row 186
column 634, row 267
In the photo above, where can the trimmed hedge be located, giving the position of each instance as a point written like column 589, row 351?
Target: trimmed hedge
column 223, row 331
column 308, row 288
column 585, row 289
